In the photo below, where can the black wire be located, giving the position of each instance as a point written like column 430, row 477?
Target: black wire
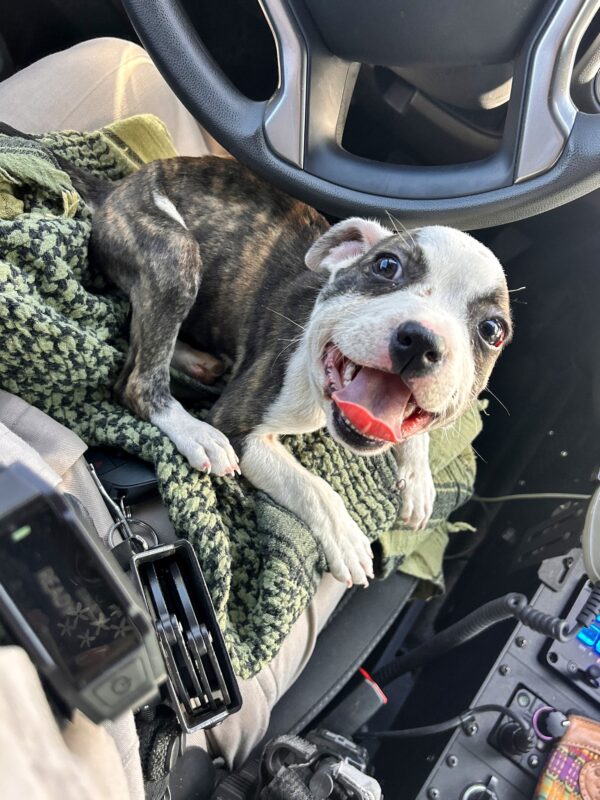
column 510, row 606
column 463, row 553
column 498, row 610
column 447, row 725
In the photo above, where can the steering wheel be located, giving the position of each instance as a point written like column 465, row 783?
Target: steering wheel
column 550, row 151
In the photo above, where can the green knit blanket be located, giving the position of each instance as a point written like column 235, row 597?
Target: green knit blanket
column 63, row 338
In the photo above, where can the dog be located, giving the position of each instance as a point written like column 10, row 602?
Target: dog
column 380, row 336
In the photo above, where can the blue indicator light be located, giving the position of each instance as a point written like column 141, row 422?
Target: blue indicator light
column 589, row 636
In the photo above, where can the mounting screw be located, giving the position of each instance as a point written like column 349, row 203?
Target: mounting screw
column 521, row 641
column 533, row 761
column 471, row 729
column 504, row 669
column 572, row 668
column 452, row 761
column 433, row 793
column 147, row 713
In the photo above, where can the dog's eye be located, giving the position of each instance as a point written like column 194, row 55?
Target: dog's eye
column 388, row 266
column 493, row 332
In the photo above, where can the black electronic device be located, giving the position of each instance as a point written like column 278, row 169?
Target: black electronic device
column 578, row 660
column 508, row 738
column 68, row 603
column 201, row 685
column 123, row 476
column 492, row 758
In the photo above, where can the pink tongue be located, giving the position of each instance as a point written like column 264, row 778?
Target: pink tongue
column 374, row 402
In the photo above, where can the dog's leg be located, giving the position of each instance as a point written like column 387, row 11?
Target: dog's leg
column 162, row 295
column 415, row 481
column 270, row 467
column 199, row 365
column 147, row 392
column 206, row 448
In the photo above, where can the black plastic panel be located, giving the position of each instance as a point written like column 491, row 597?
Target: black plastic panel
column 406, row 33
column 521, row 670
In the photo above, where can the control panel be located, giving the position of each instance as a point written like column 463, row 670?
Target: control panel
column 578, row 660
column 490, row 758
column 508, row 738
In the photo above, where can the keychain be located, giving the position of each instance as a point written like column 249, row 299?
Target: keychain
column 136, row 535
column 201, row 687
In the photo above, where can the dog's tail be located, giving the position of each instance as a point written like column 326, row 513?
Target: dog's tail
column 93, row 190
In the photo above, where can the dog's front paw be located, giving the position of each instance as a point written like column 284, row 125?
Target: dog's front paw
column 418, row 496
column 269, row 466
column 205, row 447
column 347, row 549
column 348, row 563
column 415, row 481
column 209, row 450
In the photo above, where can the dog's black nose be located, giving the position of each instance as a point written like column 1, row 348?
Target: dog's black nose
column 416, row 350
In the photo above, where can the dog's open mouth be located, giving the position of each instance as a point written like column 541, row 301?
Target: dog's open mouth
column 371, row 406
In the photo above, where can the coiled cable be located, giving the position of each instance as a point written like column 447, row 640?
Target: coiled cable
column 512, row 605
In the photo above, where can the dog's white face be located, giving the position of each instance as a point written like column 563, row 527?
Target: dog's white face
column 406, row 330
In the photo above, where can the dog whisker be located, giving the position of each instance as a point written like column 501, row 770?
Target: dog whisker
column 520, row 289
column 393, row 224
column 478, row 454
column 289, row 319
column 457, row 430
column 395, row 221
column 290, row 343
column 395, row 228
column 495, row 396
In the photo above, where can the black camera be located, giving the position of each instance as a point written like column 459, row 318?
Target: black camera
column 101, row 646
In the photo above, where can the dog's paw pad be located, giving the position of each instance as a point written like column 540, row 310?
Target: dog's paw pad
column 202, row 366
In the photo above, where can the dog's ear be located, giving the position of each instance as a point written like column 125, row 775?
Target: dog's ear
column 344, row 241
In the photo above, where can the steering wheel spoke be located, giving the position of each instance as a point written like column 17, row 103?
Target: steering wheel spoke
column 285, row 112
column 549, row 113
column 308, row 110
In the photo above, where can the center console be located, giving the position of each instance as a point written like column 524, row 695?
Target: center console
column 545, row 681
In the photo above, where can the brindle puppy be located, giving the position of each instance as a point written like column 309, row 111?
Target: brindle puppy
column 377, row 335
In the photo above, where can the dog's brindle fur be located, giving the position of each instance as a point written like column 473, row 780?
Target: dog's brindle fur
column 238, row 262
column 207, row 250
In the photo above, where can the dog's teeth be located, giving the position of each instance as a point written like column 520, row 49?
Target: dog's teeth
column 349, row 371
column 355, row 429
